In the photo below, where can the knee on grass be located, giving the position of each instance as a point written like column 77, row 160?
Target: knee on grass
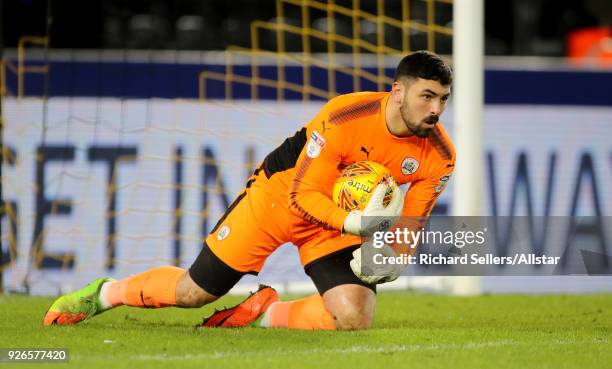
column 353, row 318
column 351, row 306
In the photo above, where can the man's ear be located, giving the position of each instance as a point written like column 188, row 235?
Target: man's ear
column 397, row 92
column 400, row 88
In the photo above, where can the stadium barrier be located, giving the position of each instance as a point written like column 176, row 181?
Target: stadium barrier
column 112, row 186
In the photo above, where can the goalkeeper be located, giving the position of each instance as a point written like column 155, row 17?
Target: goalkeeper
column 288, row 199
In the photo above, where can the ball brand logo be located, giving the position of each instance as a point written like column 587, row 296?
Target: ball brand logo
column 223, row 233
column 316, row 143
column 409, row 166
column 360, row 186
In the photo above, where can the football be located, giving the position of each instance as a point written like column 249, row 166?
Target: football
column 354, row 187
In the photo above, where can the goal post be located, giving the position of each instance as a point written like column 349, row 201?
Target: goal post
column 468, row 102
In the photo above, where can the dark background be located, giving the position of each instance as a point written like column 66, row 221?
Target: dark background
column 518, row 27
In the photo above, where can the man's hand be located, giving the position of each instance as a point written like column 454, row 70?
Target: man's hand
column 371, row 273
column 376, row 217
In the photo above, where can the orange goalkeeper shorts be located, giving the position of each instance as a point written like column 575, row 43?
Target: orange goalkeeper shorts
column 259, row 221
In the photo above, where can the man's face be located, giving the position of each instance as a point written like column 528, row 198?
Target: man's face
column 423, row 103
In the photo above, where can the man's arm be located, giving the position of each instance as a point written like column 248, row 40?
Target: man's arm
column 420, row 201
column 316, row 172
column 418, row 204
column 423, row 194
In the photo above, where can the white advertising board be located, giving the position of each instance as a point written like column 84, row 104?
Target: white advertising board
column 166, row 167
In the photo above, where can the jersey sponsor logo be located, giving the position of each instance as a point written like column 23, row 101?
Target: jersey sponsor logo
column 223, row 233
column 367, row 152
column 409, row 166
column 442, row 184
column 316, row 143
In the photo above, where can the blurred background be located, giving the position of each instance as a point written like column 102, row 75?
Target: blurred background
column 129, row 126
column 513, row 27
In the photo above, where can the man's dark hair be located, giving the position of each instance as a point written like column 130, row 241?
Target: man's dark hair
column 425, row 65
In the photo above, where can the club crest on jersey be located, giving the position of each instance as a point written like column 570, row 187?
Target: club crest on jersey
column 409, row 166
column 223, row 233
column 442, row 184
column 316, row 143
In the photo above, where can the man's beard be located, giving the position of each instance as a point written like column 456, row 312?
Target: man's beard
column 420, row 131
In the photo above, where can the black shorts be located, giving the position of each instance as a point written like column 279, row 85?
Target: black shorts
column 217, row 278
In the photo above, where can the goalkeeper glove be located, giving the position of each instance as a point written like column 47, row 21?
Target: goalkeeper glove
column 376, row 217
column 372, row 273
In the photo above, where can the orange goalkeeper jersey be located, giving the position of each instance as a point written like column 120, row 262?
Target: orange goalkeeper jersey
column 351, row 128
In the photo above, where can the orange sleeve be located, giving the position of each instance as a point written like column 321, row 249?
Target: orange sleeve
column 421, row 198
column 422, row 195
column 316, row 173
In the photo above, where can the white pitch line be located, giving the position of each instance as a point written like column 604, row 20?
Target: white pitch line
column 385, row 349
column 348, row 350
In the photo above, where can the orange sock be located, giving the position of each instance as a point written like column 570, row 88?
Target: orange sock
column 154, row 288
column 307, row 313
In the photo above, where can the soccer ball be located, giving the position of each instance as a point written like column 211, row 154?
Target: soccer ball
column 356, row 183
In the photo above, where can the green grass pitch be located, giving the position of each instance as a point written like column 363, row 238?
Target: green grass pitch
column 411, row 331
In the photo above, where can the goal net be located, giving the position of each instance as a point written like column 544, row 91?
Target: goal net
column 116, row 161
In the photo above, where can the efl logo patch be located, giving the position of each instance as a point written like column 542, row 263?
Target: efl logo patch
column 316, row 143
column 442, row 184
column 223, row 233
column 409, row 166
